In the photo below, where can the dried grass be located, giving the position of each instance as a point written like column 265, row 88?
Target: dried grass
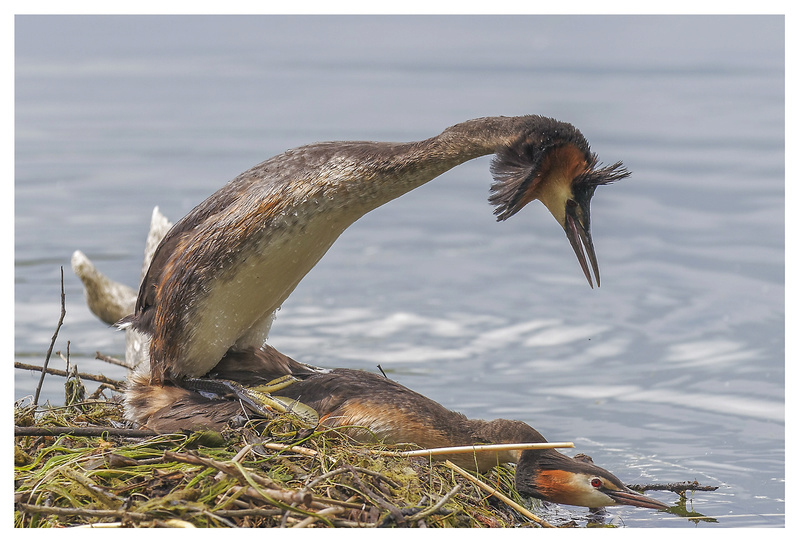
column 237, row 478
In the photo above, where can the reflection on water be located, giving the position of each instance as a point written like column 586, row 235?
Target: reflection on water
column 670, row 371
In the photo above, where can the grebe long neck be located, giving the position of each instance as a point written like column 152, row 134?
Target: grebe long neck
column 360, row 176
column 501, row 431
column 223, row 270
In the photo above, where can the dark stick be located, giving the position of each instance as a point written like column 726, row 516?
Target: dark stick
column 679, row 488
column 74, row 511
column 117, row 385
column 394, row 512
column 81, row 431
column 96, row 394
column 52, row 343
column 111, row 360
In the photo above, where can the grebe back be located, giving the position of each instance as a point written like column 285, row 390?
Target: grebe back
column 222, row 271
column 368, row 407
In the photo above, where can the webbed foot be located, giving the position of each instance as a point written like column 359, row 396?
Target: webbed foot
column 258, row 399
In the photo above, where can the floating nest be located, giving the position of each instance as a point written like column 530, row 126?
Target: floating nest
column 272, row 474
column 82, row 465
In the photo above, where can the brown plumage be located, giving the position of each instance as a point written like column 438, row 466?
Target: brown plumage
column 370, row 407
column 221, row 272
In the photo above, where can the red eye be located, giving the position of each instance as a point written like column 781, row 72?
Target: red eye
column 597, row 483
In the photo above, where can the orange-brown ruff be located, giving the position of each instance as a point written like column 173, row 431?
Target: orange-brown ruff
column 370, row 407
column 219, row 275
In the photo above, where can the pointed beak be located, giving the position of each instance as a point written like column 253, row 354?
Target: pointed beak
column 581, row 240
column 627, row 496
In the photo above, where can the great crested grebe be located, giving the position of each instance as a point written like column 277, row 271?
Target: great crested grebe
column 370, row 407
column 221, row 272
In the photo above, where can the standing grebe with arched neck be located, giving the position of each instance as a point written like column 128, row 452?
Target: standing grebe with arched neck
column 222, row 271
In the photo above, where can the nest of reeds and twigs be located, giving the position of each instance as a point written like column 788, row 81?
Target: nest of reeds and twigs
column 83, row 465
column 278, row 474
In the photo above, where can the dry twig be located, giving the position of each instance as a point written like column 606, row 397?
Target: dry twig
column 92, row 431
column 52, row 342
column 111, row 360
column 678, row 488
column 475, row 448
column 119, row 386
column 499, row 495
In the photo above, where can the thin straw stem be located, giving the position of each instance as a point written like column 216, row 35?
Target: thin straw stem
column 499, row 495
column 478, row 448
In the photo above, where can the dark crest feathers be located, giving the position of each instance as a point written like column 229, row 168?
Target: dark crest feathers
column 516, row 167
column 514, row 170
column 602, row 175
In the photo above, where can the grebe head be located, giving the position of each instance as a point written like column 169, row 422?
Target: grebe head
column 552, row 476
column 559, row 170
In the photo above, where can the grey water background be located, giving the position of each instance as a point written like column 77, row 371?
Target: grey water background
column 672, row 370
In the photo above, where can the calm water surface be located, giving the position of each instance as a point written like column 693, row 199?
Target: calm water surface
column 673, row 370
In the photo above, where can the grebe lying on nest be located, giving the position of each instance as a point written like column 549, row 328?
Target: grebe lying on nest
column 368, row 406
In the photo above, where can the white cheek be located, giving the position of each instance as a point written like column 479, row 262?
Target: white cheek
column 589, row 495
column 554, row 194
column 594, row 498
